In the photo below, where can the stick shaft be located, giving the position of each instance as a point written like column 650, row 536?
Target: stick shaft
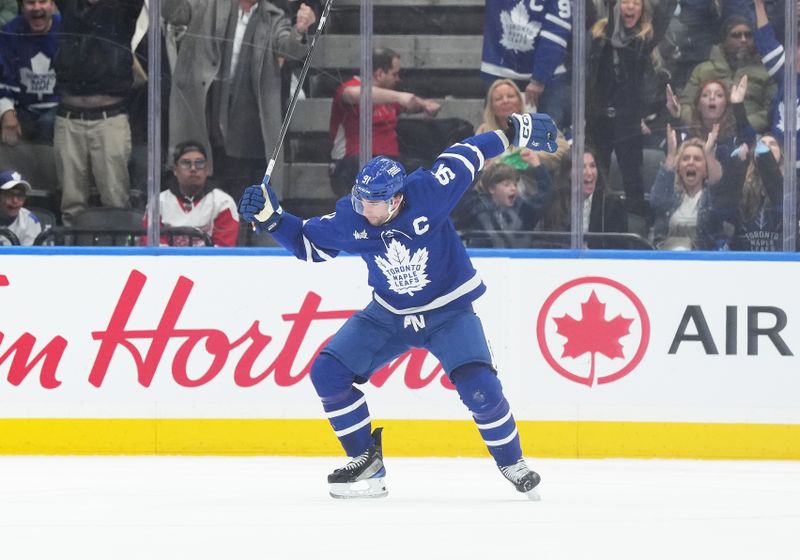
column 290, row 110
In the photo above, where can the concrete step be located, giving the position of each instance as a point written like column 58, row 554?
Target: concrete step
column 307, row 181
column 313, row 115
column 407, row 19
column 428, row 52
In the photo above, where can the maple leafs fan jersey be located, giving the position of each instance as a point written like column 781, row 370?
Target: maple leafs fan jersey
column 524, row 40
column 416, row 261
column 28, row 71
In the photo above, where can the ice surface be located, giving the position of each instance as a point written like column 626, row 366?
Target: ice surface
column 278, row 508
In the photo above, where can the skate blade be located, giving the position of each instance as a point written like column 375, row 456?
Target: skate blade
column 369, row 488
column 533, row 495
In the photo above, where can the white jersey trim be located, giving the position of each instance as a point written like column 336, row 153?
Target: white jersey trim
column 495, row 424
column 495, row 70
column 499, row 442
column 353, row 428
column 441, row 301
column 346, row 409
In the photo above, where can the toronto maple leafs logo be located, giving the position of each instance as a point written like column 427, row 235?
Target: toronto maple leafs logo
column 519, row 32
column 39, row 79
column 406, row 274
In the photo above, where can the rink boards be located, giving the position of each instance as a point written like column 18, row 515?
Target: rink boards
column 208, row 352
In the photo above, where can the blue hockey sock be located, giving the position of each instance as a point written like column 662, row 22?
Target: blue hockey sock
column 344, row 405
column 349, row 416
column 499, row 431
column 482, row 392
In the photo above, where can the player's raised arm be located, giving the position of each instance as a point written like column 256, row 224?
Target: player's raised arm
column 259, row 205
column 458, row 166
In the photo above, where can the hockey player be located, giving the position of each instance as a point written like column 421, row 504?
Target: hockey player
column 418, row 268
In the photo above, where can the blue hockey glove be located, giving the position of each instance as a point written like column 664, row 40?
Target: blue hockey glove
column 535, row 131
column 259, row 205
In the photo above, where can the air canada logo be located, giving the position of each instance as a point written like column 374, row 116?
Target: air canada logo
column 593, row 330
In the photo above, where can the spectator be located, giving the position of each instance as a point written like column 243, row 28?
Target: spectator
column 679, row 192
column 746, row 208
column 603, row 212
column 226, row 87
column 94, row 71
column 193, row 202
column 8, row 10
column 20, row 221
column 503, row 99
column 772, row 55
column 712, row 106
column 621, row 72
column 388, row 103
column 527, row 43
column 733, row 58
column 28, row 98
column 501, row 210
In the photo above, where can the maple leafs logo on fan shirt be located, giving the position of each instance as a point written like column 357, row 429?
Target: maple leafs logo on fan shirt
column 39, row 79
column 519, row 32
column 406, row 274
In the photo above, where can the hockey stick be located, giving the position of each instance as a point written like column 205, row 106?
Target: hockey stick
column 264, row 214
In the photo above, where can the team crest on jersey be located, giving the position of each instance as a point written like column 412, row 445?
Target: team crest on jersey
column 405, row 273
column 39, row 79
column 519, row 32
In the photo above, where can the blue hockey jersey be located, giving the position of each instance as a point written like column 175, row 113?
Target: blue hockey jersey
column 416, row 261
column 524, row 40
column 27, row 71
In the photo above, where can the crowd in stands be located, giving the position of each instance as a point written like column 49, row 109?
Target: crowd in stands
column 683, row 131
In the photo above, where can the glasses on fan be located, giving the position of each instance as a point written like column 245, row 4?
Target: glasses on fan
column 187, row 164
column 742, row 35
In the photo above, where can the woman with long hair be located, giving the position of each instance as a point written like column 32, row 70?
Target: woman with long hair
column 602, row 211
column 503, row 99
column 713, row 105
column 679, row 193
column 620, row 68
column 745, row 212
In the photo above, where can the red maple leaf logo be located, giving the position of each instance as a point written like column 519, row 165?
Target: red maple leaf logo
column 592, row 333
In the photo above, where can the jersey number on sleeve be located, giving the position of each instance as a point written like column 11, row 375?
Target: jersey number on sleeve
column 444, row 175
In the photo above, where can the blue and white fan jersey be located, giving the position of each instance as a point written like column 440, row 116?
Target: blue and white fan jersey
column 525, row 40
column 416, row 261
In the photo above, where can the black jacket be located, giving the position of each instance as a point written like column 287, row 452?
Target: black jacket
column 94, row 53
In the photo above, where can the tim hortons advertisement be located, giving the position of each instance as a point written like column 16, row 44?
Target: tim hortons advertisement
column 135, row 336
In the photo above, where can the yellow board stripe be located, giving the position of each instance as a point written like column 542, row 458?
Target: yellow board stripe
column 411, row 438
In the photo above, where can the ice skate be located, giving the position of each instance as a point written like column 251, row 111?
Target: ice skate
column 363, row 476
column 523, row 479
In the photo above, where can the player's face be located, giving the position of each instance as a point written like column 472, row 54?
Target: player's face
column 38, row 14
column 692, row 169
column 191, row 171
column 378, row 212
column 712, row 103
column 630, row 12
column 11, row 200
column 505, row 193
column 589, row 174
column 505, row 100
